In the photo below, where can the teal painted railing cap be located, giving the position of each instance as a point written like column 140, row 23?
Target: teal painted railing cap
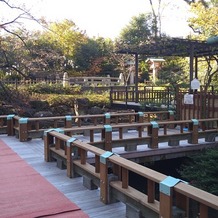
column 104, row 156
column 154, row 124
column 171, row 112
column 107, row 115
column 68, row 117
column 195, row 121
column 53, row 129
column 140, row 114
column 23, row 120
column 108, row 128
column 10, row 116
column 69, row 141
column 168, row 183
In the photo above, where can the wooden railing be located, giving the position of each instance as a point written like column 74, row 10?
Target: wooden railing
column 28, row 128
column 172, row 196
column 147, row 95
column 202, row 105
column 73, row 153
column 151, row 133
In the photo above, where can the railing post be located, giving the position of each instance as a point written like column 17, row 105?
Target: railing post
column 140, row 120
column 203, row 211
column 153, row 132
column 48, row 140
column 69, row 157
column 68, row 121
column 151, row 191
column 125, row 178
column 171, row 118
column 104, row 176
column 107, row 118
column 166, row 196
column 140, row 117
column 10, row 125
column 23, row 129
column 111, row 95
column 182, row 202
column 126, row 95
column 108, row 137
column 68, row 124
column 194, row 128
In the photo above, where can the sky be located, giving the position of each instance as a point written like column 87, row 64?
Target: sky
column 106, row 18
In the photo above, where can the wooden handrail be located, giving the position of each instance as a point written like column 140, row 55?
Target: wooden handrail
column 32, row 124
column 205, row 199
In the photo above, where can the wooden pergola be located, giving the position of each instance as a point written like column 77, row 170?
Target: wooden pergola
column 166, row 47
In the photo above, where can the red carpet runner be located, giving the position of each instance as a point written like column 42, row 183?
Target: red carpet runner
column 24, row 193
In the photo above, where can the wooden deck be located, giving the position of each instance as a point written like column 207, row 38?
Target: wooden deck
column 88, row 200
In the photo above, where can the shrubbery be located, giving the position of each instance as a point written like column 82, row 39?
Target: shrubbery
column 45, row 88
column 202, row 170
column 56, row 94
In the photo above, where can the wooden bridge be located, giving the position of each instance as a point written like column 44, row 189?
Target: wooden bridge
column 110, row 141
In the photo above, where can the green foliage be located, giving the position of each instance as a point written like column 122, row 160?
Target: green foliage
column 86, row 54
column 100, row 100
column 93, row 56
column 205, row 20
column 44, row 88
column 204, row 23
column 55, row 100
column 174, row 72
column 202, row 170
column 13, row 76
column 144, row 71
column 56, row 94
column 138, row 30
column 65, row 35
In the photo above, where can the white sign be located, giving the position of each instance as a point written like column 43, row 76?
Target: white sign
column 195, row 84
column 188, row 99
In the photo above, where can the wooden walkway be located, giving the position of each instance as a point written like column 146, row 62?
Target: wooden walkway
column 88, row 200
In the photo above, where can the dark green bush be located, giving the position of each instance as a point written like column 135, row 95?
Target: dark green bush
column 202, row 170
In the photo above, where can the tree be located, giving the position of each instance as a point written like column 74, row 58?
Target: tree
column 174, row 72
column 66, row 35
column 17, row 15
column 94, row 56
column 12, row 29
column 156, row 19
column 205, row 25
column 138, row 31
column 205, row 3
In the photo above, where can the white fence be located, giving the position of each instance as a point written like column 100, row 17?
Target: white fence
column 83, row 81
column 94, row 81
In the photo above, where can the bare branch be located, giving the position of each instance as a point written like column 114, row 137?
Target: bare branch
column 15, row 34
column 24, row 14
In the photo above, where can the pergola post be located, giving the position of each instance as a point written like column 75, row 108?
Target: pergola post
column 191, row 64
column 196, row 67
column 136, row 78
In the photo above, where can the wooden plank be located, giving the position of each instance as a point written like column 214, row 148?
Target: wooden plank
column 32, row 152
column 87, row 167
column 136, row 196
